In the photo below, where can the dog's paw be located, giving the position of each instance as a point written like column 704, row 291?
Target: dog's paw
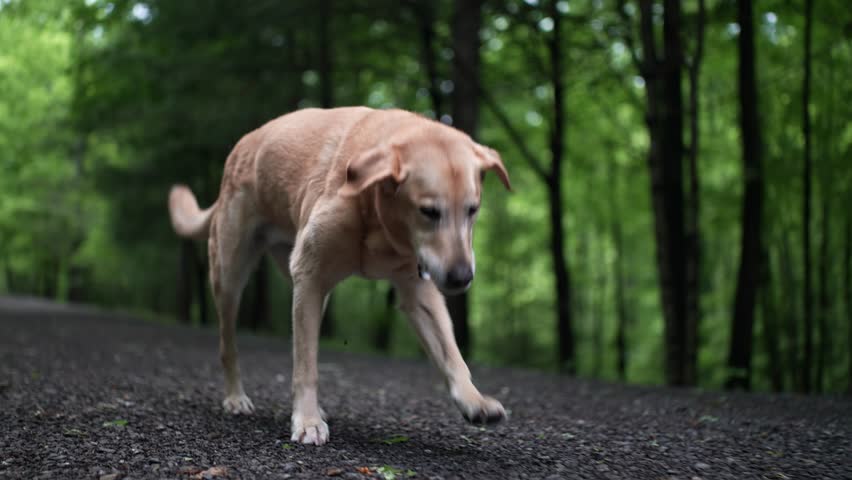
column 238, row 404
column 308, row 429
column 484, row 410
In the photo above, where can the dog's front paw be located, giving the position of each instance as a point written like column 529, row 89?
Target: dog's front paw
column 308, row 429
column 238, row 404
column 478, row 409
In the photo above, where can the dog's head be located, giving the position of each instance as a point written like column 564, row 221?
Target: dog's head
column 431, row 190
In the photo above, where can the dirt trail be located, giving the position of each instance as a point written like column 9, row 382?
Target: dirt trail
column 85, row 394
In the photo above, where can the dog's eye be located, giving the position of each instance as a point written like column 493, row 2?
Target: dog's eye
column 471, row 211
column 431, row 213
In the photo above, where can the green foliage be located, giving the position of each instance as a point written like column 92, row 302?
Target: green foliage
column 105, row 104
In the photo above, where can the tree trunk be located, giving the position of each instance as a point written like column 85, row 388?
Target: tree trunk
column 847, row 291
column 791, row 318
column 769, row 316
column 665, row 155
column 823, row 295
column 467, row 20
column 748, row 278
column 260, row 308
column 184, row 283
column 201, row 285
column 326, row 101
column 425, row 13
column 806, row 203
column 382, row 334
column 693, row 225
column 325, row 73
column 567, row 362
column 620, row 304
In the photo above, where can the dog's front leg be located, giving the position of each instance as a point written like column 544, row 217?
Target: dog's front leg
column 308, row 422
column 427, row 312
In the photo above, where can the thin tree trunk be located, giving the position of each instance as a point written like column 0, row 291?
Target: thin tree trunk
column 665, row 155
column 425, row 13
column 847, row 291
column 769, row 316
column 806, row 203
column 467, row 20
column 620, row 303
column 325, row 65
column 823, row 295
column 260, row 310
column 382, row 334
column 748, row 278
column 693, row 225
column 567, row 362
column 184, row 282
column 791, row 319
column 201, row 285
column 326, row 101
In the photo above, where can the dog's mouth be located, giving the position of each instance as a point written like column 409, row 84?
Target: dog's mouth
column 422, row 272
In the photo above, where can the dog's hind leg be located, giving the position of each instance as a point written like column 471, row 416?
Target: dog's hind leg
column 234, row 253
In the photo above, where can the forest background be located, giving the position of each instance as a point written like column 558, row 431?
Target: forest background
column 681, row 169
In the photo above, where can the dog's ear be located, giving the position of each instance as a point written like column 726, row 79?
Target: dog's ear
column 374, row 165
column 490, row 160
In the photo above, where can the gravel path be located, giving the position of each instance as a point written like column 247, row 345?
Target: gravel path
column 87, row 394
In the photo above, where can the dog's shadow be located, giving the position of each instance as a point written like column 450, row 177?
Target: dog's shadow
column 404, row 446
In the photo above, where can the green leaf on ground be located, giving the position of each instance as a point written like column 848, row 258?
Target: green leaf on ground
column 394, row 439
column 74, row 432
column 388, row 472
column 287, row 446
column 115, row 423
column 708, row 419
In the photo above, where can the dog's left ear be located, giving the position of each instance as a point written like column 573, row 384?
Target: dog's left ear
column 374, row 165
column 490, row 160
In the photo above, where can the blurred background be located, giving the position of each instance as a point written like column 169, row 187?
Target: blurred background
column 681, row 170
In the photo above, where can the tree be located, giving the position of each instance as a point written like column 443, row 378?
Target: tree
column 466, row 23
column 565, row 330
column 664, row 119
column 693, row 205
column 807, row 360
column 748, row 278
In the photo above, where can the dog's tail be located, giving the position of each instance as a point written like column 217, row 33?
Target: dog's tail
column 188, row 220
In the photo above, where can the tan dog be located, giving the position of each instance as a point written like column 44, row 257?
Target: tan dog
column 385, row 194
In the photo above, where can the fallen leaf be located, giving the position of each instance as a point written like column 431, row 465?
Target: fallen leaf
column 115, row 423
column 210, row 473
column 74, row 432
column 364, row 470
column 190, row 470
column 334, row 471
column 287, row 446
column 388, row 473
column 394, row 439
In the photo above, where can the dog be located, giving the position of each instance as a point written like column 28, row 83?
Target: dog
column 330, row 193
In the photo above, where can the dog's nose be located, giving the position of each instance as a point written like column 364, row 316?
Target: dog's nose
column 460, row 276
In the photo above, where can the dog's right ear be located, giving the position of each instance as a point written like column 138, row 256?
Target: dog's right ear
column 372, row 166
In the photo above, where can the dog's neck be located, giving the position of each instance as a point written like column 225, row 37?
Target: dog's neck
column 392, row 229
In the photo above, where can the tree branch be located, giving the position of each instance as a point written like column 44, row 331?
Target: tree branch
column 514, row 135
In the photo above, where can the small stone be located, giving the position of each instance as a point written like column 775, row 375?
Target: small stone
column 701, row 466
column 109, row 476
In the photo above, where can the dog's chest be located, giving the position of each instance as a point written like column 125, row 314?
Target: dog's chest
column 379, row 260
